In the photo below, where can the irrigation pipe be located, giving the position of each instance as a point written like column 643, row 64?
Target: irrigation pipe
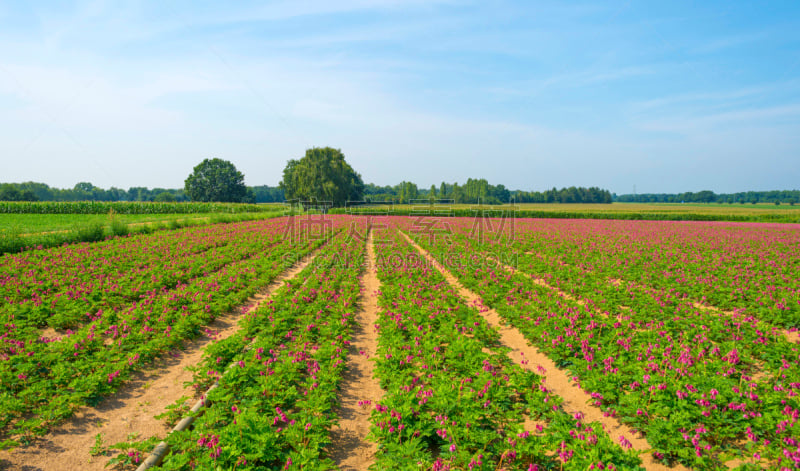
column 161, row 450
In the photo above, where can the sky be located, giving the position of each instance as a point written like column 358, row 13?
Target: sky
column 663, row 97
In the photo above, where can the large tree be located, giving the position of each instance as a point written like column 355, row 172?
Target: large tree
column 322, row 175
column 216, row 180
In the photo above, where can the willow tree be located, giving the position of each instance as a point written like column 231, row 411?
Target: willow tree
column 322, row 175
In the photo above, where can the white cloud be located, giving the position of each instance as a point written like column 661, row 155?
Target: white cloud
column 715, row 97
column 727, row 42
column 695, row 124
column 571, row 80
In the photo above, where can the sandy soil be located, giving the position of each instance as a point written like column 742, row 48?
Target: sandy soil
column 132, row 409
column 349, row 448
column 556, row 380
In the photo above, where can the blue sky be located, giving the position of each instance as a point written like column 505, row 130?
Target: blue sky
column 668, row 96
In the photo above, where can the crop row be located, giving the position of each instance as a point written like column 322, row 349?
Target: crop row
column 453, row 399
column 701, row 386
column 750, row 268
column 63, row 288
column 42, row 382
column 273, row 408
column 761, row 346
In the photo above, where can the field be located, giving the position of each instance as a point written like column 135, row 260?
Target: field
column 630, row 211
column 85, row 222
column 343, row 342
column 36, row 224
column 673, row 208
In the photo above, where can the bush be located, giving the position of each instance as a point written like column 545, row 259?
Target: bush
column 220, row 218
column 10, row 243
column 91, row 232
column 119, row 228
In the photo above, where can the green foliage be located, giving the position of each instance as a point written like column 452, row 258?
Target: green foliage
column 175, row 412
column 322, row 175
column 11, row 242
column 569, row 195
column 216, row 180
column 132, row 452
column 90, row 232
column 220, row 218
column 408, row 192
column 84, row 191
column 453, row 399
column 98, row 448
column 120, row 207
column 118, row 228
column 480, row 190
column 149, row 228
column 569, row 213
column 617, row 337
column 708, row 196
column 269, row 410
column 165, row 197
column 20, row 232
column 268, row 194
column 249, row 196
column 9, row 192
column 190, row 277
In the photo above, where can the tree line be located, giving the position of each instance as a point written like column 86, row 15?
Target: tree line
column 85, row 191
column 707, row 196
column 480, row 190
column 471, row 192
column 322, row 175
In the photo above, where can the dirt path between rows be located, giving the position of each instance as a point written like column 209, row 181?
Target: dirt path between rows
column 349, row 448
column 556, row 380
column 132, row 409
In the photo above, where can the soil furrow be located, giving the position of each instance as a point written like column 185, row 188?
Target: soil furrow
column 130, row 412
column 349, row 448
column 556, row 380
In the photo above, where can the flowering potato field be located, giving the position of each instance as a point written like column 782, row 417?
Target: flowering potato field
column 683, row 331
column 78, row 319
column 453, row 398
column 517, row 345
